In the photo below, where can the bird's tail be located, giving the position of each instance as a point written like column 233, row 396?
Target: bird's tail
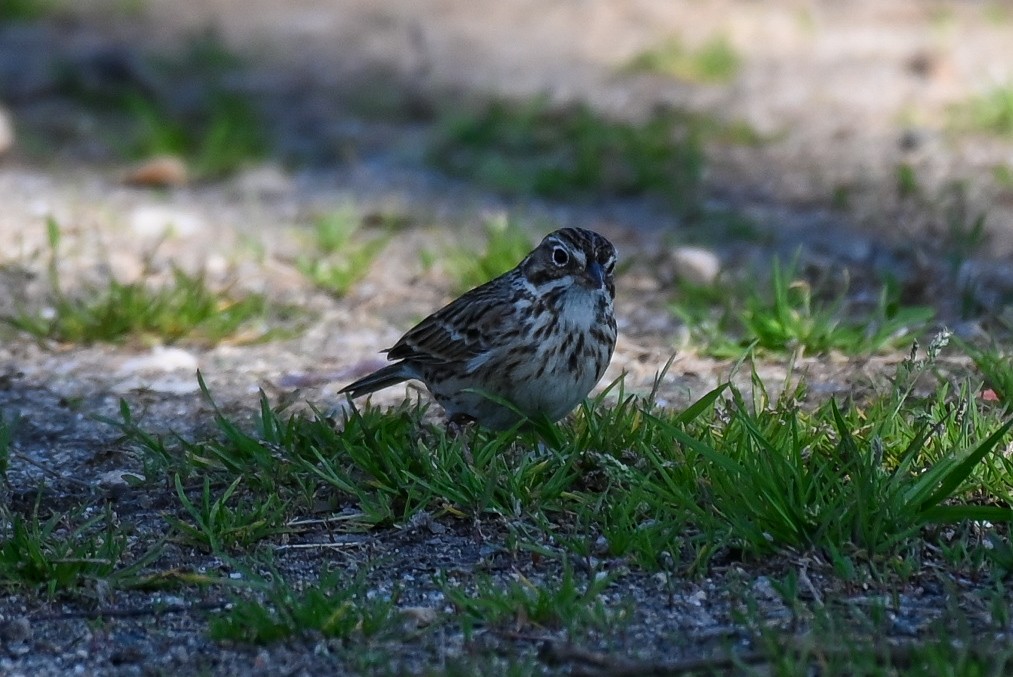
column 390, row 375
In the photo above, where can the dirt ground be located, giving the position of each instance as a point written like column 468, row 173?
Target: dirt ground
column 844, row 92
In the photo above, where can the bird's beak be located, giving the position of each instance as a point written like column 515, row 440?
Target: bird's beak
column 596, row 273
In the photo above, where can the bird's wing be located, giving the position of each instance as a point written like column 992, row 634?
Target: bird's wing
column 469, row 326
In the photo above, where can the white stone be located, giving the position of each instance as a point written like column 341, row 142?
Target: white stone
column 157, row 220
column 160, row 359
column 117, row 479
column 167, row 385
column 696, row 265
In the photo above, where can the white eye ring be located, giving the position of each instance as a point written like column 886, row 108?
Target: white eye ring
column 559, row 256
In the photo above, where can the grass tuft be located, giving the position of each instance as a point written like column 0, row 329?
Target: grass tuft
column 996, row 368
column 185, row 309
column 228, row 522
column 522, row 604
column 340, row 256
column 64, row 551
column 330, row 608
column 223, row 133
column 551, row 151
column 185, row 104
column 786, row 315
column 989, row 113
column 506, row 244
column 716, row 61
column 776, row 476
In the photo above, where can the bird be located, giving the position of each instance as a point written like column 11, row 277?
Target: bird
column 530, row 343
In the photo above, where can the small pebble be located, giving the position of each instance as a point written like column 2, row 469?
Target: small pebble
column 419, row 616
column 160, row 359
column 161, row 171
column 117, row 479
column 156, row 221
column 696, row 265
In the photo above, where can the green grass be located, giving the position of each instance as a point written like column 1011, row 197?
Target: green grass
column 571, row 602
column 716, row 61
column 851, row 641
column 716, row 226
column 785, row 313
column 229, row 521
column 506, row 244
column 385, row 463
column 757, row 474
column 996, row 368
column 822, row 483
column 997, row 13
column 535, row 148
column 340, row 255
column 28, row 10
column 907, row 180
column 185, row 308
column 737, row 470
column 222, row 134
column 911, row 475
column 332, row 607
column 989, row 113
column 56, row 552
column 184, row 104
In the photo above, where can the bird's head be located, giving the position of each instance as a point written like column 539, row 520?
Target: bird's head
column 573, row 256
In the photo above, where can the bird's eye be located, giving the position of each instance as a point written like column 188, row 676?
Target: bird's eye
column 560, row 257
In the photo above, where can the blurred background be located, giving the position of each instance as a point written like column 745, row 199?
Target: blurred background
column 704, row 137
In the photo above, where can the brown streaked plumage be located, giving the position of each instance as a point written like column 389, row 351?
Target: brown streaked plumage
column 539, row 336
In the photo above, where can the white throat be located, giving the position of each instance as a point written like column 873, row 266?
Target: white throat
column 579, row 307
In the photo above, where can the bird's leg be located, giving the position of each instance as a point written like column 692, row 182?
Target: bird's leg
column 456, row 426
